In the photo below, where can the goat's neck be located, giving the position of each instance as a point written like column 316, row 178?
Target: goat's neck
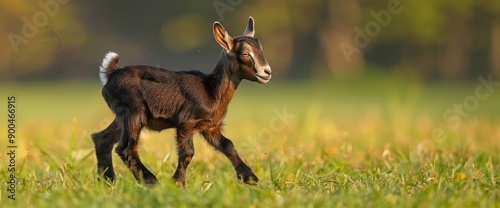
column 222, row 82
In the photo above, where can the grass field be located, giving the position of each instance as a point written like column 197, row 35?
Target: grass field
column 358, row 143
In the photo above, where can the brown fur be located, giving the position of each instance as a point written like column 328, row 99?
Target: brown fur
column 190, row 101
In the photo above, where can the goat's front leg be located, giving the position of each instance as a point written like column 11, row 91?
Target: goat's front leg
column 215, row 138
column 127, row 150
column 185, row 150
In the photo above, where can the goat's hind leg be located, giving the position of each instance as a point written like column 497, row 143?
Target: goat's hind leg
column 103, row 143
column 127, row 150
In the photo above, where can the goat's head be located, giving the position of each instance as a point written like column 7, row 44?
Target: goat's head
column 245, row 53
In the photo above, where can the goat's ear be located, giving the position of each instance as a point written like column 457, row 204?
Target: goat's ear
column 250, row 31
column 222, row 37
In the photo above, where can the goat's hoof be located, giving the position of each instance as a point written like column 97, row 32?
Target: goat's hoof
column 150, row 180
column 178, row 180
column 107, row 181
column 180, row 184
column 108, row 178
column 248, row 178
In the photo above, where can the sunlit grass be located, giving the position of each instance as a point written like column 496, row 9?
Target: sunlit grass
column 358, row 144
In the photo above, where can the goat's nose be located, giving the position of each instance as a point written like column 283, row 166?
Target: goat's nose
column 267, row 70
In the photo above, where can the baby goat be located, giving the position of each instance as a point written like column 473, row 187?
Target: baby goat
column 189, row 101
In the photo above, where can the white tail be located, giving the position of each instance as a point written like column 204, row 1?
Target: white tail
column 108, row 66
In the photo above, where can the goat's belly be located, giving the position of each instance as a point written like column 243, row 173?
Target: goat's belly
column 159, row 124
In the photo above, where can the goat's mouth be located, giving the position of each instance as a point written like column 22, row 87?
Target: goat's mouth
column 262, row 79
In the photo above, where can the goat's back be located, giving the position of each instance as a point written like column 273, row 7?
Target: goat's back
column 157, row 93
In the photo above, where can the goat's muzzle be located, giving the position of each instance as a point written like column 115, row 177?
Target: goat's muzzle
column 263, row 75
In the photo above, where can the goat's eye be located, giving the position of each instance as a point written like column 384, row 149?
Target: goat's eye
column 245, row 54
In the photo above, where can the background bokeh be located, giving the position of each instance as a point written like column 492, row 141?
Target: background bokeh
column 373, row 103
column 425, row 39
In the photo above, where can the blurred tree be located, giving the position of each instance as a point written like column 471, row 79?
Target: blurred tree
column 343, row 50
column 451, row 40
column 454, row 61
column 32, row 32
column 186, row 32
column 434, row 37
column 494, row 7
